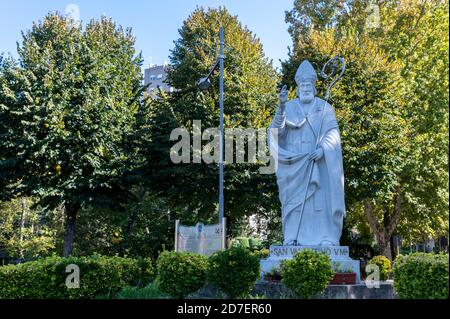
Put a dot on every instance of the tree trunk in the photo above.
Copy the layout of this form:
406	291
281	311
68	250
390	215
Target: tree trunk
374	224
383	232
385	248
393	244
393	221
131	221
71	212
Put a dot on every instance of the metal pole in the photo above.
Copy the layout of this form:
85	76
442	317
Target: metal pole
177	225
221	58
224	233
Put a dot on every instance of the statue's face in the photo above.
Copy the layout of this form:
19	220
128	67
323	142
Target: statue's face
306	91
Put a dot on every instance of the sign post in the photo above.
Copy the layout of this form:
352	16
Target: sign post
200	239
177	223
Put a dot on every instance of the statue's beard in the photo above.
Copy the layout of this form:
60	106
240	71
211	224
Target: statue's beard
306	98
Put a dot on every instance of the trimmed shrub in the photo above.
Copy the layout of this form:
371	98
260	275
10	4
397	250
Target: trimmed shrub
46	278
241	242
248	242
384	265
234	271
255	244
151	291
180	273
308	273
263	253
421	276
148	273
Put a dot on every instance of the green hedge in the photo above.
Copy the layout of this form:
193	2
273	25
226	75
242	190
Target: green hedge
263	253
255	244
46	278
241	242
147	271
180	273
234	271
384	265
308	273
247	242
151	291
421	276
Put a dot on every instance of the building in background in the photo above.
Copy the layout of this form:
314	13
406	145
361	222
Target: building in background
156	75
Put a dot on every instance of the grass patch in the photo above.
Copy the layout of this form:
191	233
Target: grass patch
151	291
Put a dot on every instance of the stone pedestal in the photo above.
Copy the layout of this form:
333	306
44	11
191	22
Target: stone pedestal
277	290
339	256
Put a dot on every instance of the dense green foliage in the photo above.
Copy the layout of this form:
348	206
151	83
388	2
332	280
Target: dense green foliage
65	111
307	274
180	273
46	278
66	114
391	106
151	291
250	85
80	142
255	245
234	271
241	242
421	276
141	227
247	242
419	40
373	128
262	253
384	266
24	232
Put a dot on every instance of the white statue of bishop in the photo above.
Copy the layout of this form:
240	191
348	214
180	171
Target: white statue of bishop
304	135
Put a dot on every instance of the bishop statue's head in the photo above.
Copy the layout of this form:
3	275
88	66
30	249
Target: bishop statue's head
306	78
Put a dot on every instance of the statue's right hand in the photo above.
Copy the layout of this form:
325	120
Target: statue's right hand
283	96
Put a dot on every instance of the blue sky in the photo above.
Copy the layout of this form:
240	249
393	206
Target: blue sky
155	23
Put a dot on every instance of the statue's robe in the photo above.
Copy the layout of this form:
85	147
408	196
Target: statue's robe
293	137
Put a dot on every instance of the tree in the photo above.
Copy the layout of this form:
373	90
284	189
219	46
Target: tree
395	142
414	33
66	112
371	121
142	227
250	100
24	234
417	35
313	15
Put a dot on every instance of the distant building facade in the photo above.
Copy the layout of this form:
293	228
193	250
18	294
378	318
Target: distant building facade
155	76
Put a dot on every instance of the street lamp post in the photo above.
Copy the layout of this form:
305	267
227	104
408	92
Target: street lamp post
204	84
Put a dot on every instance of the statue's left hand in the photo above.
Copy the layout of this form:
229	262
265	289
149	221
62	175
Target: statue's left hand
316	155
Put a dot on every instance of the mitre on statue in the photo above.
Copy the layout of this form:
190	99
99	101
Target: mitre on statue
305	72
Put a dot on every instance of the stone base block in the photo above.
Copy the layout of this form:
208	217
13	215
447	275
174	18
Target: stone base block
339	256
276	290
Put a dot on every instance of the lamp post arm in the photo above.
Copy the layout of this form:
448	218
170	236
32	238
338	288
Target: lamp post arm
213	68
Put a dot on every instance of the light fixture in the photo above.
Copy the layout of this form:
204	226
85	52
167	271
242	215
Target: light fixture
204	83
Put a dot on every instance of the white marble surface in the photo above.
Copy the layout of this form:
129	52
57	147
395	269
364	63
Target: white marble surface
335	252
305	142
